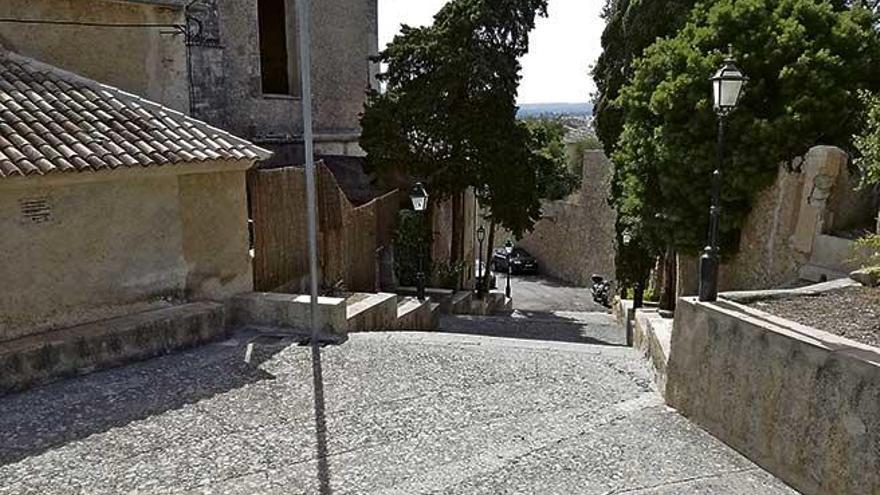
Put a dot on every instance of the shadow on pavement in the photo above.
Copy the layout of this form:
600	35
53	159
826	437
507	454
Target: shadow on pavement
320	422
583	328
46	417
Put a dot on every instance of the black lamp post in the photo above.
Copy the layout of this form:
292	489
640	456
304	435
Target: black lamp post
481	273
727	85
508	248
419	197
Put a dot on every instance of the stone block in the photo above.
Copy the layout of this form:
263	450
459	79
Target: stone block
376	312
869	277
413	314
277	310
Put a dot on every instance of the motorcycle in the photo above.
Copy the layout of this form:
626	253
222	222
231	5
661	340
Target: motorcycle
601	290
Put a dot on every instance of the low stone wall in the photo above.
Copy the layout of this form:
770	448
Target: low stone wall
651	336
104	344
803	404
276	310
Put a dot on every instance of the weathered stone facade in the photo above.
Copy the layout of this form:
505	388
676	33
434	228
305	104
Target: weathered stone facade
147	58
203	59
789	233
227	88
576	237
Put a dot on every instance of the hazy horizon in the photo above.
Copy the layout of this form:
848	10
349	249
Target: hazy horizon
553	71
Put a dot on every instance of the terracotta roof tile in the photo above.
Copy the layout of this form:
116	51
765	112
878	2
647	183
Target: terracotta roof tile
53	121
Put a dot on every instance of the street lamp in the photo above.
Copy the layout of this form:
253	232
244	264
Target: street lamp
727	85
508	248
481	234
419	197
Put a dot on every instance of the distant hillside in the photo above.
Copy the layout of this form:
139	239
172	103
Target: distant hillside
554	109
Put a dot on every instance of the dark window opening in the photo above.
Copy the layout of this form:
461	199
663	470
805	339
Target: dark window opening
274	62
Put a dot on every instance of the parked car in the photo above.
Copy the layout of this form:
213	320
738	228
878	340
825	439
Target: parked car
490	276
520	261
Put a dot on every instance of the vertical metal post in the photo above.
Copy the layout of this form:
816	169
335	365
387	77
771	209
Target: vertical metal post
481	273
305	57
507	291
420	277
710	261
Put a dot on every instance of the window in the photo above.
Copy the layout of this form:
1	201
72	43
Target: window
276	47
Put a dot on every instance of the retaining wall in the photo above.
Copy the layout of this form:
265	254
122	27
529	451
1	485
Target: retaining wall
802	403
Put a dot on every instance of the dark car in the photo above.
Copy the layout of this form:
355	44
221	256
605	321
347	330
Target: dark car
520	261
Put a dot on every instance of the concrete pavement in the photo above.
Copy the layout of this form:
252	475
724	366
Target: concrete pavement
541	293
405	413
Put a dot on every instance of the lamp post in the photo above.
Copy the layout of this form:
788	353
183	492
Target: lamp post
727	86
508	248
419	197
481	273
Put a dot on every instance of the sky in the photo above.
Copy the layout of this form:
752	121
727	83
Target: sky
563	46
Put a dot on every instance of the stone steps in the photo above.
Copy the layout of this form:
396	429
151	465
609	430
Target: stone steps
413	314
85	348
376	312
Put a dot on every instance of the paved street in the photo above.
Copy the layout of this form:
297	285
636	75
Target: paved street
405	413
541	293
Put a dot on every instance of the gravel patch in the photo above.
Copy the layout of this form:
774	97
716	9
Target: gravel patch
853	312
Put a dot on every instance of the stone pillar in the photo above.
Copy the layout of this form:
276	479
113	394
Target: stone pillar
822	164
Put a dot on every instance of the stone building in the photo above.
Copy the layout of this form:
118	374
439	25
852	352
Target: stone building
111	204
231	63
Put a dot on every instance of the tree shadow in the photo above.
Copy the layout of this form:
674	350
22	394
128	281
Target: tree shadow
557	326
52	415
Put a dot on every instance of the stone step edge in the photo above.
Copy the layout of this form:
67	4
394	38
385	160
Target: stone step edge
108	343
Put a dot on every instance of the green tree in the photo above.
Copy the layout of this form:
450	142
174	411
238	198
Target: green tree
807	61
630	27
868	146
448	111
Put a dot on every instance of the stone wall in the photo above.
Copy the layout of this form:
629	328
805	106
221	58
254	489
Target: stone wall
785	237
119	242
217	78
147	61
227	78
803	404
443	224
576	237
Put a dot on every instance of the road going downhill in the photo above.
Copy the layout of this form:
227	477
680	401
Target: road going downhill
463	412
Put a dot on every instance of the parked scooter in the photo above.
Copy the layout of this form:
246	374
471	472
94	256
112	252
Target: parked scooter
601	290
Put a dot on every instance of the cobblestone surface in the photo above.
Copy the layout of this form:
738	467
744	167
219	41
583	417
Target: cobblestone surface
405	413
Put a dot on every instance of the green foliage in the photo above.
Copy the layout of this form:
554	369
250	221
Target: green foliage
448	113
868	142
449	273
554	180
411	241
806	60
630	27
871	244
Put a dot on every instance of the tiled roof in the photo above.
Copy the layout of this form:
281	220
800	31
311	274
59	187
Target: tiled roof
52	121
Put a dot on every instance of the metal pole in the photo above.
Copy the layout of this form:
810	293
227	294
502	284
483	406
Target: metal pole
420	277
480	271
305	57
710	261
509	269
